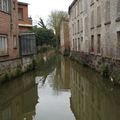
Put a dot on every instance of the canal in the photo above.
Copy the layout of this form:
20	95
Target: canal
59	89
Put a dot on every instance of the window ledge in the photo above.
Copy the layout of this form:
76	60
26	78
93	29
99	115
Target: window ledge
92	53
117	19
5	12
92	27
107	23
4	55
98	25
81	12
14	47
98	54
92	4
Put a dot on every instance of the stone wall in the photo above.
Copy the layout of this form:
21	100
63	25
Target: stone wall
15	67
95	24
107	67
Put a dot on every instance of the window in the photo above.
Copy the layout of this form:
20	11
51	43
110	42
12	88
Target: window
92	2
78	25
4	5
14	41
14	5
79	44
118	41
98	16
98	43
20	14
0	4
92	43
118	8
73	29
118	11
27	43
92	19
73	44
3	44
107	12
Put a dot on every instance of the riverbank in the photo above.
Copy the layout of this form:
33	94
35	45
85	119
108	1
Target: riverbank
14	68
107	67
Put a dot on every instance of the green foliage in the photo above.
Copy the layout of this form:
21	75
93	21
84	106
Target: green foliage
32	66
41	23
117	74
54	21
105	71
18	71
44	36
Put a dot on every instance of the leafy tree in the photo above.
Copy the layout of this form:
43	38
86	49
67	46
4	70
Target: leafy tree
54	22
44	36
41	23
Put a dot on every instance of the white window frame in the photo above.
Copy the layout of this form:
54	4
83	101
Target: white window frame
3	44
4	5
14	41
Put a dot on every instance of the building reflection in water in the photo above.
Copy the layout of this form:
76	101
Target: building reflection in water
62	77
91	97
78	89
18	99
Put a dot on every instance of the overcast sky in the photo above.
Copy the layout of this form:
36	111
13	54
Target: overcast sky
43	8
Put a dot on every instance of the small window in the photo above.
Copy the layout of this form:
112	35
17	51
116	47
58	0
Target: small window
78	25
0	4
107	12
79	44
3	44
14	41
92	19
92	43
73	44
98	43
118	39
118	8
14	5
20	14
98	16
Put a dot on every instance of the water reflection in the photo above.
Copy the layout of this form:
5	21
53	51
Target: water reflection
18	99
91	97
54	94
59	90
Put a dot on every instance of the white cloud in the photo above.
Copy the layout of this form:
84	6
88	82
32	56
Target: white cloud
43	8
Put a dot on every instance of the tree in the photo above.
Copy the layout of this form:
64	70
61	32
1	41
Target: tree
41	23
43	34
54	22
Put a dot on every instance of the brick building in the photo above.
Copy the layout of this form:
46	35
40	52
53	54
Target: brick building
26	38
24	22
9	46
13	42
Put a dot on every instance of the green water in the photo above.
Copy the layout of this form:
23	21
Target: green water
59	89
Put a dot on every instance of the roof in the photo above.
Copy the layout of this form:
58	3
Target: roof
22	3
72	4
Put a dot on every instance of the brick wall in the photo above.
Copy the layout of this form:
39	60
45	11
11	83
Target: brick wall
25	24
9	27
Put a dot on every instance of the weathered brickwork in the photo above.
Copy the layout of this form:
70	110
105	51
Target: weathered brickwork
9	28
24	22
